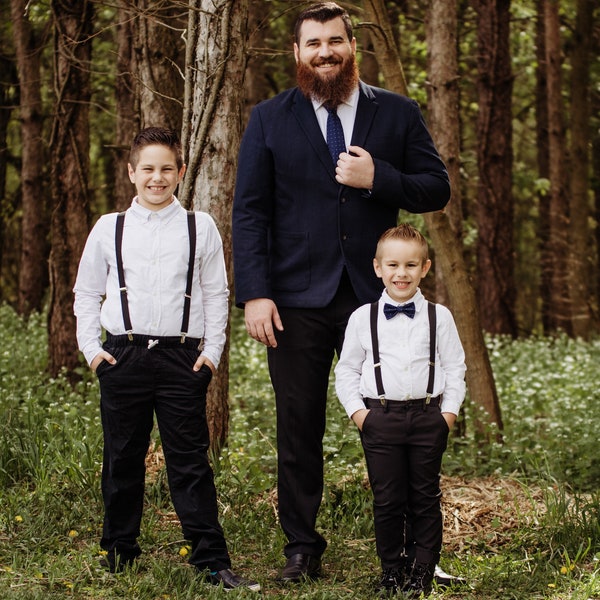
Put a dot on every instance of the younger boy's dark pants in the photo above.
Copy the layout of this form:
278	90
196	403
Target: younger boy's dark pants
403	450
143	382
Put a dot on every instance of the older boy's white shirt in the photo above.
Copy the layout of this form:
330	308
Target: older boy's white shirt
404	357
155	260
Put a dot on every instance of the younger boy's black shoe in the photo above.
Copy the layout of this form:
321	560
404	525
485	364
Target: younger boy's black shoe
230	581
420	580
445	580
392	581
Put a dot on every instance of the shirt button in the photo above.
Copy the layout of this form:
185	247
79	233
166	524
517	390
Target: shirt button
342	200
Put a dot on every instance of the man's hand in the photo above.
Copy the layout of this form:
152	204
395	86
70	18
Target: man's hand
102	355
359	417
261	316
355	168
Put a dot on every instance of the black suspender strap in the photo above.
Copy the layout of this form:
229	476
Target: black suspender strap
431	312
376	362
121	274
191	221
432	331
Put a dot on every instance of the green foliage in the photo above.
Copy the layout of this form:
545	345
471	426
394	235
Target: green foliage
50	460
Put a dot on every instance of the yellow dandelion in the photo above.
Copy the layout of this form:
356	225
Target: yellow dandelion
69	585
103	553
73	533
19	519
551	585
183	551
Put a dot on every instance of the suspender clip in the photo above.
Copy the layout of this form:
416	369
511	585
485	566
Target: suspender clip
183	334
384	403
130	335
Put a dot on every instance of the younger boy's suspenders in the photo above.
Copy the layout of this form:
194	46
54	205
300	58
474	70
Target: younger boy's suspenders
377	364
191	224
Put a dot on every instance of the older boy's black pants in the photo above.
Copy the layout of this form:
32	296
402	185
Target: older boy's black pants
403	449
161	381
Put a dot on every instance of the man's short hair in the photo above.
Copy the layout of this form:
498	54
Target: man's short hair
156	135
323	12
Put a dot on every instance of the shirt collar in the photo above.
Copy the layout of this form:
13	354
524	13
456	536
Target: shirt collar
145	214
418	299
351	101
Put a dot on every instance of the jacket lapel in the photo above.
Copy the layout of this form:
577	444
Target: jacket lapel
365	113
305	114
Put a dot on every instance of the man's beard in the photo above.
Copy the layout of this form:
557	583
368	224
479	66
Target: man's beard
330	90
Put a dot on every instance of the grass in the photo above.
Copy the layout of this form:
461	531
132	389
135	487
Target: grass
523	518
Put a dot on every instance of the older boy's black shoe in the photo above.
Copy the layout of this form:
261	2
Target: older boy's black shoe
420	580
299	567
392	581
231	581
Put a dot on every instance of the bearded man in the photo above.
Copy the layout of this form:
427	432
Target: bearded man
323	170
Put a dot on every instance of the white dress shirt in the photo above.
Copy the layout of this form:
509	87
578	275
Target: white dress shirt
346	112
404	357
155	262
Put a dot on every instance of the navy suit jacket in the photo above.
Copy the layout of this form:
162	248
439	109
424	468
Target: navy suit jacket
295	228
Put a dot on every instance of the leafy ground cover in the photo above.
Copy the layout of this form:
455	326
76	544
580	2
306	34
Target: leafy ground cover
522	519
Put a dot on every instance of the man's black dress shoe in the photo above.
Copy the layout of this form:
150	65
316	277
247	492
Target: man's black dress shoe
299	567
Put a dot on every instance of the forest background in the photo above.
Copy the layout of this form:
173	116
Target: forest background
511	92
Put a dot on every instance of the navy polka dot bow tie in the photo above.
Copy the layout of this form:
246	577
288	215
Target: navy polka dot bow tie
389	310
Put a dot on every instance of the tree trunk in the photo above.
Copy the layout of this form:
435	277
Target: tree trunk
127	105
443	102
211	135
580	235
159	56
8	257
558	245
543	162
494	208
33	271
70	171
449	254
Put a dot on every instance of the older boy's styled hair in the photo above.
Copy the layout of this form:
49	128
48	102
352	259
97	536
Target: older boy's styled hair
406	232
156	135
323	12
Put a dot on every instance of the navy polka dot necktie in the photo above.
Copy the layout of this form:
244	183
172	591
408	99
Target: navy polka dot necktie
335	134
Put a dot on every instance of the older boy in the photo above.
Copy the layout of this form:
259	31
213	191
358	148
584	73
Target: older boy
403	389
162	273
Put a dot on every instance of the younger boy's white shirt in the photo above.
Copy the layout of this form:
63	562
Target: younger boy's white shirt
155	261
404	357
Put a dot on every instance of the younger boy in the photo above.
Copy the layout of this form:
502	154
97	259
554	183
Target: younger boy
162	273
404	407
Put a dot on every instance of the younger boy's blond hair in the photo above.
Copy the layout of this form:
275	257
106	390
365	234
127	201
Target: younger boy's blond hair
403	231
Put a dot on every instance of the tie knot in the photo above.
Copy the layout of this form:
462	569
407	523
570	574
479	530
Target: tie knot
391	310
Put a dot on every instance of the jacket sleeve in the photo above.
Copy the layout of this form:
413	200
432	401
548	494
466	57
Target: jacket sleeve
420	183
252	210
